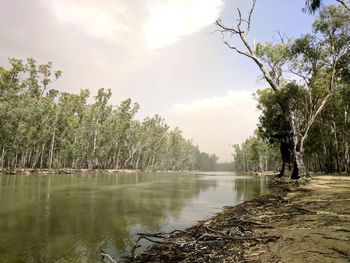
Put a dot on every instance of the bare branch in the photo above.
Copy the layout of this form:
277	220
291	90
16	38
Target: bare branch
237	50
250	15
225	28
274	83
306	79
281	37
239	19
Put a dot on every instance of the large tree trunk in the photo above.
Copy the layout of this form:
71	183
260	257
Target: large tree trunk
287	160
287	142
299	169
292	149
346	157
336	146
138	160
3	158
42	156
53	141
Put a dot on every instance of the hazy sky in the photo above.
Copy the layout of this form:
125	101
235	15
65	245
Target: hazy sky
161	53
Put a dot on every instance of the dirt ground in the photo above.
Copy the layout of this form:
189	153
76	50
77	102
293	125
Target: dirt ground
295	223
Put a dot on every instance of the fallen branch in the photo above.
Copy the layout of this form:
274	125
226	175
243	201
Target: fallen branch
303	210
248	222
343	229
237	238
105	255
163	235
347	255
150	237
319	252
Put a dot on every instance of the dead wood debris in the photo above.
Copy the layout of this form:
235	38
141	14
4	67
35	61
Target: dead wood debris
245	232
225	238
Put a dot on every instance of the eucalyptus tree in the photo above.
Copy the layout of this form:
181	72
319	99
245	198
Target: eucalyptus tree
255	155
24	89
124	115
314	59
43	128
312	5
205	161
327	147
71	125
154	143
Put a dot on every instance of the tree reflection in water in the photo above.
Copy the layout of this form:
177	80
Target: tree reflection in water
71	217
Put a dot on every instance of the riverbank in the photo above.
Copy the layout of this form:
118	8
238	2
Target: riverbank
69	171
291	224
87	171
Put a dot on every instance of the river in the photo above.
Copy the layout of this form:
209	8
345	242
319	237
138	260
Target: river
71	218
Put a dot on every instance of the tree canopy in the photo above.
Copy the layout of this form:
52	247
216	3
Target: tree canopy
42	127
306	76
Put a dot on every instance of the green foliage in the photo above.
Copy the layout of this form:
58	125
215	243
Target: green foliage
274	55
312	5
44	128
271	122
256	155
327	147
304	111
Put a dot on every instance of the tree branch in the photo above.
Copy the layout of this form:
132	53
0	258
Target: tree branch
251	52
342	2
250	15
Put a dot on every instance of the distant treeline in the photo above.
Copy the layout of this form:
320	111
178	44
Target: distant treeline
44	128
225	167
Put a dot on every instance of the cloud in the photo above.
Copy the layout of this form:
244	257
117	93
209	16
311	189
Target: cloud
218	122
96	20
157	22
158	52
169	20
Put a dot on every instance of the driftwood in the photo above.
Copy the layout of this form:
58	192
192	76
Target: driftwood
108	257
199	238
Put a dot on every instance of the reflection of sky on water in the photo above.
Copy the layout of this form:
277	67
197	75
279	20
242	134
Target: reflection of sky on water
229	189
70	217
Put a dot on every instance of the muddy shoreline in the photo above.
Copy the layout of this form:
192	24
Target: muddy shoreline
294	222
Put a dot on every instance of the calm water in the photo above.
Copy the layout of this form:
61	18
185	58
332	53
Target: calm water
69	218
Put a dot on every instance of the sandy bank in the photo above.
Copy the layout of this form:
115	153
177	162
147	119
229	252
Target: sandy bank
308	223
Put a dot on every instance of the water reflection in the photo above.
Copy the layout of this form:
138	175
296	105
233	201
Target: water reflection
68	218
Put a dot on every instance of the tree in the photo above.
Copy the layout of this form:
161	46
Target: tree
43	128
312	5
271	68
255	155
314	59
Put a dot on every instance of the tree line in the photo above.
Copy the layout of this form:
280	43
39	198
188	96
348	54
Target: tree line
44	128
305	109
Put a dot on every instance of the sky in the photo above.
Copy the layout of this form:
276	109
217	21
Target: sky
163	54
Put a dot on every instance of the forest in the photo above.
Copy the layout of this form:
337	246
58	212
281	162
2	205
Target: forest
303	126
304	116
42	127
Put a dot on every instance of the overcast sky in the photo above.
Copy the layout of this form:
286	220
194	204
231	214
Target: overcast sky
162	54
